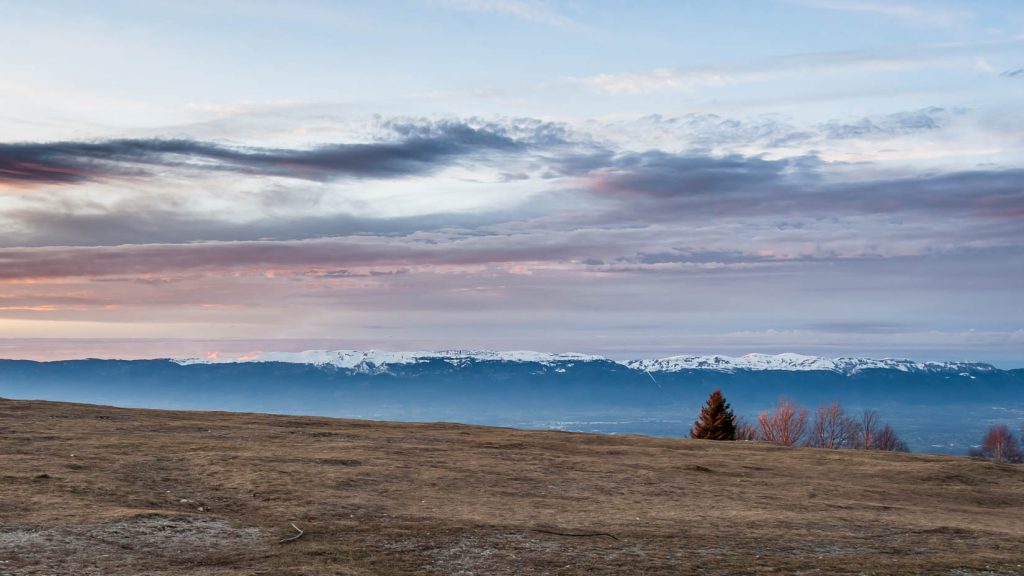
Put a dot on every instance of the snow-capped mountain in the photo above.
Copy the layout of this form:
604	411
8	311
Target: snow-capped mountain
376	360
797	362
380	358
942	403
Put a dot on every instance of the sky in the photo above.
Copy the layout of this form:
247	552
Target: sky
632	179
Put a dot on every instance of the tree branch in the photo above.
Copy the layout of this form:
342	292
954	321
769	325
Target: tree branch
293	538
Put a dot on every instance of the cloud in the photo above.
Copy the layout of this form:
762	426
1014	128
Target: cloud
714	133
1015	73
656	235
787	306
857	327
657	185
803	65
688	80
335	253
928	15
661	175
158	225
658	80
590	185
709	131
423	148
605	212
890	125
537	11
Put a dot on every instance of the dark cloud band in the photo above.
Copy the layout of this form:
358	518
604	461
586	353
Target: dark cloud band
420	149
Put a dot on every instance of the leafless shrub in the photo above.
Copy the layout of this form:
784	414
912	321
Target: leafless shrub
786	425
887	439
832	428
746	430
999	445
866	431
870	434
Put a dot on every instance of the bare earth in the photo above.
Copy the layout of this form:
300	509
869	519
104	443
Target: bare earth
93	490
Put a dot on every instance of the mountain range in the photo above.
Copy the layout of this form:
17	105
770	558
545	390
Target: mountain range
376	360
937	406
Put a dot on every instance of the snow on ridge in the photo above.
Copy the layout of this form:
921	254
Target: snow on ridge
794	362
373	360
359	358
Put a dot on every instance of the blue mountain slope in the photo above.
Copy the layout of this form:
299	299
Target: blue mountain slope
937	409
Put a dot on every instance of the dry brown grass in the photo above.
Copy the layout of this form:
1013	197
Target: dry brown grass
95	490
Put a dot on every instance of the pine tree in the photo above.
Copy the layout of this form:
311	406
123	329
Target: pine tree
717	422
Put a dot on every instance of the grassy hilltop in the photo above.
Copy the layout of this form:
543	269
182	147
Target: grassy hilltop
96	490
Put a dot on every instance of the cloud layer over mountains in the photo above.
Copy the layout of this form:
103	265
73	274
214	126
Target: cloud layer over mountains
622	185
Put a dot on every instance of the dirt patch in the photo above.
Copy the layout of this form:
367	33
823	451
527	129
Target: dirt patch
153	544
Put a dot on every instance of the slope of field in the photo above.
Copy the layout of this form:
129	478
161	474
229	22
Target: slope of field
94	490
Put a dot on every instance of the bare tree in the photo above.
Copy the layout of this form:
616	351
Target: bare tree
866	431
887	439
999	445
746	430
832	428
786	425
